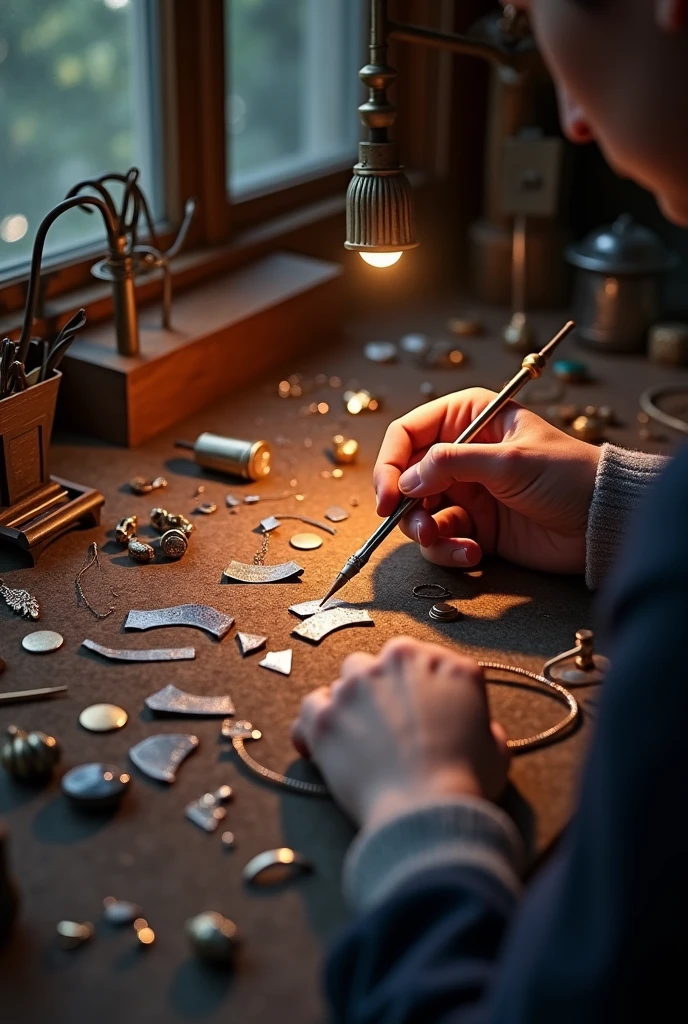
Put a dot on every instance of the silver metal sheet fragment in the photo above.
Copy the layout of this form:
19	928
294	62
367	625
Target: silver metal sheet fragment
153	654
240	572
159	757
249	642
277	661
172	701
306	608
198	616
317	627
336	514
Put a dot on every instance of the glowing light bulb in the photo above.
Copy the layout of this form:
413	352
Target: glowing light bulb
381	259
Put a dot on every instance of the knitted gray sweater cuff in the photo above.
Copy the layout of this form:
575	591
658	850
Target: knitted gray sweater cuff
457	831
623	478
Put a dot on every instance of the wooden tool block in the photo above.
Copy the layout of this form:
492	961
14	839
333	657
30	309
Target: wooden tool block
224	334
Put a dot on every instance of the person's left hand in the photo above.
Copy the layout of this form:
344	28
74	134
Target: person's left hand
402	729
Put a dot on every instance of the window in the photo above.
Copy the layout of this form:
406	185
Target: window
75	90
292	89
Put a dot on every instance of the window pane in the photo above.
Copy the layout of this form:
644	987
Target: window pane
292	87
75	86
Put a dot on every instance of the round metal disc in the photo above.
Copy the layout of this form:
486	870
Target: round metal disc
95	785
305	541
42	641
103	717
444	612
380	351
569	674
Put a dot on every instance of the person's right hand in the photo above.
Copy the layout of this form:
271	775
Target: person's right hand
522	490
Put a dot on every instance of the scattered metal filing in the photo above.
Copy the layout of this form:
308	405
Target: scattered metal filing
208	811
431	592
145	936
380	351
360	401
159	654
206	508
95	786
43	641
213	938
444	613
174	544
140	485
444	355
228	840
275	867
20	696
587	667
140	552
159	757
92	559
588	428
345	450
232	502
199	491
20	601
72	934
414	344
468	326
317	627
278	661
162	521
306	541
307	608
103	718
171	701
354	502
573	371
272	522
336	514
126	529
120	912
29	756
240	572
249	642
196	616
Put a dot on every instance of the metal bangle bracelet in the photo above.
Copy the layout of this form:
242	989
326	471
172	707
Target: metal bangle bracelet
650	408
539	739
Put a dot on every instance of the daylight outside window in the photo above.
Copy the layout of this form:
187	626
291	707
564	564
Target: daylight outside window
76	85
292	88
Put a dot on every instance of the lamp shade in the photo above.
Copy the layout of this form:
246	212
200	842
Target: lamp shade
379	211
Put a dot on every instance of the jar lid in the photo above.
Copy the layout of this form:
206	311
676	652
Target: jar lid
623	247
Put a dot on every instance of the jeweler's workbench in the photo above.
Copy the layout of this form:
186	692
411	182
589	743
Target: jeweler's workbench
67	862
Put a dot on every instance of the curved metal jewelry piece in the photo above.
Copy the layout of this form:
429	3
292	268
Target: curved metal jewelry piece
162	521
140	485
648	404
258	871
172	701
160	654
438	592
540	739
317	627
589	667
274	521
160	756
198	616
238	733
240	572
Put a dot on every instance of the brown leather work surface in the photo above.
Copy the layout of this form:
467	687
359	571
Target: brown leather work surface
66	863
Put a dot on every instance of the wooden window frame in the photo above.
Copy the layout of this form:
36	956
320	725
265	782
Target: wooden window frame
190	41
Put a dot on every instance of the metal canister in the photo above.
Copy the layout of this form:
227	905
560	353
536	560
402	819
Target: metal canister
617	291
248	459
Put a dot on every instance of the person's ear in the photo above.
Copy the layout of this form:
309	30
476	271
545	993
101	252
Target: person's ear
672	15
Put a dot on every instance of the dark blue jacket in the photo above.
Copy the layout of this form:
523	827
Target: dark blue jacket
601	933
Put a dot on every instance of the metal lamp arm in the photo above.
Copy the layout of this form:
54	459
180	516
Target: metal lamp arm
37	259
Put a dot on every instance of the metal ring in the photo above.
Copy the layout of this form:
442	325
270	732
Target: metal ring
440	593
648	406
544	737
